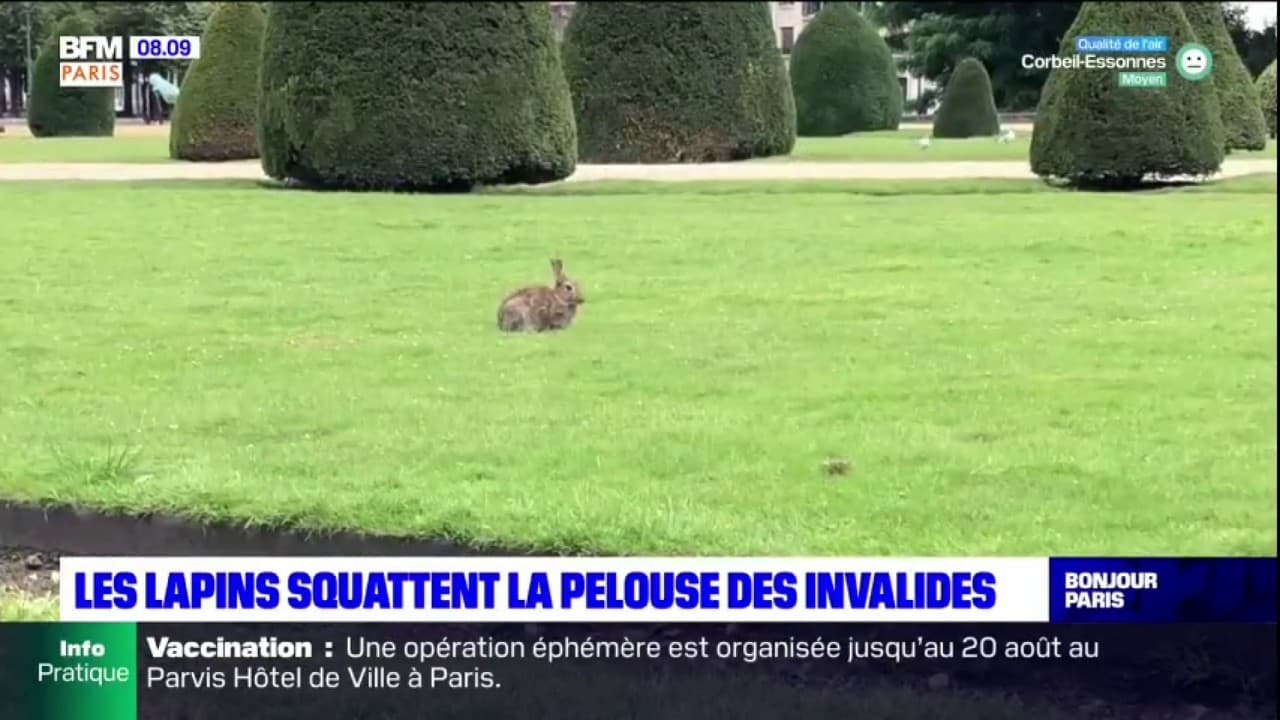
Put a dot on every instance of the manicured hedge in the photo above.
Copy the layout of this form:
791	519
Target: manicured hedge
844	76
1267	96
56	111
1242	118
216	114
413	96
968	106
657	82
1089	130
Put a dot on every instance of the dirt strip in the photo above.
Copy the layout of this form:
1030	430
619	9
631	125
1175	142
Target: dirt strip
74	531
29	572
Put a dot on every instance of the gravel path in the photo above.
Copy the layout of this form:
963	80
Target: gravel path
251	170
133	127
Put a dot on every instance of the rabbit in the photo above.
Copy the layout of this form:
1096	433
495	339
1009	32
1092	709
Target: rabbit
540	309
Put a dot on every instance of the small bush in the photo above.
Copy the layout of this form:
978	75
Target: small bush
968	105
844	76
56	111
216	114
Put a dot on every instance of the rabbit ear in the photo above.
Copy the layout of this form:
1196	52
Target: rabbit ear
557	267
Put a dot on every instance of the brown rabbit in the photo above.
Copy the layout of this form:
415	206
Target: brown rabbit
539	309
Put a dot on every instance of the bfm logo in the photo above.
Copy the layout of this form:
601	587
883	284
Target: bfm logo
106	71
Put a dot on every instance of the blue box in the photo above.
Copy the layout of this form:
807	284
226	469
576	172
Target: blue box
1179	590
1121	44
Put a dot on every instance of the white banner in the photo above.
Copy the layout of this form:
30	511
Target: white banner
553	589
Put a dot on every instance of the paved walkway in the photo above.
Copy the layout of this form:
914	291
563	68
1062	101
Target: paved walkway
1020	126
775	170
784	170
135	126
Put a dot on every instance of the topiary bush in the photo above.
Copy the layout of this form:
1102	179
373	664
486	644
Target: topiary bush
55	111
413	96
844	76
1266	87
657	82
1091	131
1242	119
968	106
215	117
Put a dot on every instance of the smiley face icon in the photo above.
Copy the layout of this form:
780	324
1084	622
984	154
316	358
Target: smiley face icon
1194	62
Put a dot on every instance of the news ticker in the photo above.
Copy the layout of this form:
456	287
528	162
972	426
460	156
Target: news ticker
629	590
123	671
98	60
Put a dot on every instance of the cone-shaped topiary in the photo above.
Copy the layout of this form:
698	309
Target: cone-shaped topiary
1089	130
1242	118
56	111
656	82
1266	86
413	96
968	106
216	114
844	76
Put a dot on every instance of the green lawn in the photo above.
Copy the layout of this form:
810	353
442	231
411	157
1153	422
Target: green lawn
889	146
125	149
1010	372
902	146
17	607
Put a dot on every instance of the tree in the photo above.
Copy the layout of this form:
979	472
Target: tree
1267	95
1257	48
936	36
968	108
413	96
843	76
1262	49
58	111
1091	131
129	19
13	34
216	114
110	18
14	20
1237	97
677	82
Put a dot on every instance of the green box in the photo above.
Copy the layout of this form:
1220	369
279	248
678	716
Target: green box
1144	79
68	671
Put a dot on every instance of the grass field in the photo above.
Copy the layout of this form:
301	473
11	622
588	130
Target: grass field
889	146
16	607
127	149
901	146
1013	371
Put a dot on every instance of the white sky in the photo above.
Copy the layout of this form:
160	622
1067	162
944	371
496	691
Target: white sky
1258	13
